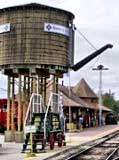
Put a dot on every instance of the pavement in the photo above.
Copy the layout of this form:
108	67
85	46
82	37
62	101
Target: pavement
12	151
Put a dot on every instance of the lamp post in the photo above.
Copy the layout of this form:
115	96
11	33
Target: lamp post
100	68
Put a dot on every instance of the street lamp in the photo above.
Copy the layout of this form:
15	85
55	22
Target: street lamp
100	68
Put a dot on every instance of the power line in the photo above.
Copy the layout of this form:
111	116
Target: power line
89	44
86	39
90	67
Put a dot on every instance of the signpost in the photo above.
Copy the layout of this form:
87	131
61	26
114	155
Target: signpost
31	129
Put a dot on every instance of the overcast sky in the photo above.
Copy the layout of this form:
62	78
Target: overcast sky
98	21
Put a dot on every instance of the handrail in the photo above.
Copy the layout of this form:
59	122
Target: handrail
31	108
45	118
28	110
50	104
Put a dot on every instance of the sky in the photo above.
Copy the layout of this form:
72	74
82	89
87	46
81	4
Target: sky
98	21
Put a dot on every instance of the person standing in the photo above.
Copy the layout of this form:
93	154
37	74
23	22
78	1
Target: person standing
81	122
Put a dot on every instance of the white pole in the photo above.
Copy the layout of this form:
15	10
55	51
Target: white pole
100	68
100	97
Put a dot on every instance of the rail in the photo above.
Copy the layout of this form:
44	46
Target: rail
75	152
35	106
54	105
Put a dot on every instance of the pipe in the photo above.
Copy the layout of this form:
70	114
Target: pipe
81	63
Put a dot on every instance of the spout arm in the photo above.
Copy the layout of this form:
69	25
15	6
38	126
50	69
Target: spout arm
83	62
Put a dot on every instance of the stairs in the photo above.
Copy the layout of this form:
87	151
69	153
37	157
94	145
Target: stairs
40	124
37	136
34	117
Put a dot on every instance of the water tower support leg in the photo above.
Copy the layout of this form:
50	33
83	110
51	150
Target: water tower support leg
9	136
13	106
19	133
24	98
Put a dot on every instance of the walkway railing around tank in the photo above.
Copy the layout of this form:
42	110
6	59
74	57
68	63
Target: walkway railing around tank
35	106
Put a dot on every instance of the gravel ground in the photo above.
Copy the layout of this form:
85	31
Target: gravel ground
12	151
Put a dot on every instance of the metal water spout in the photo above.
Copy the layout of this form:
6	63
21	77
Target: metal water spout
83	62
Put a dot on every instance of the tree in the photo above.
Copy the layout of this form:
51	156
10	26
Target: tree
109	101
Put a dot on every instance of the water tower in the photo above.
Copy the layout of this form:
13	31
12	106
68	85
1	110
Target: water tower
36	41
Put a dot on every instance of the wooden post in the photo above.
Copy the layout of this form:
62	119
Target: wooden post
13	105
34	84
31	88
56	83
41	85
19	105
8	104
24	98
37	84
28	91
43	90
55	90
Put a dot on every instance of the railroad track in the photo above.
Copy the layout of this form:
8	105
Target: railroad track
105	148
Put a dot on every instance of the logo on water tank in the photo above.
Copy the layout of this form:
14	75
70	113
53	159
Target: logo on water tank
55	28
49	27
5	28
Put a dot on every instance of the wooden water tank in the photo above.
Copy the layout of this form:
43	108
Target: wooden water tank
37	35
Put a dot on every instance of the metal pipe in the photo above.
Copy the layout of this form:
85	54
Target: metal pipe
80	64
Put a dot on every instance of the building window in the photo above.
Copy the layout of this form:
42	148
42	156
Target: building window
94	100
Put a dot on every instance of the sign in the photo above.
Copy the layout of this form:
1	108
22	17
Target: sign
30	129
55	28
5	28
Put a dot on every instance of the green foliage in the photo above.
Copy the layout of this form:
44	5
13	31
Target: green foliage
109	101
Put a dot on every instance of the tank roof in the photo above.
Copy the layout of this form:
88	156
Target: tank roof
37	5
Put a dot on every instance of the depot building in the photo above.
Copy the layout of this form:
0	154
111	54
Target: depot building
80	100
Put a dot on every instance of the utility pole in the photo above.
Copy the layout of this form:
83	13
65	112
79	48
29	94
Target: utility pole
100	68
